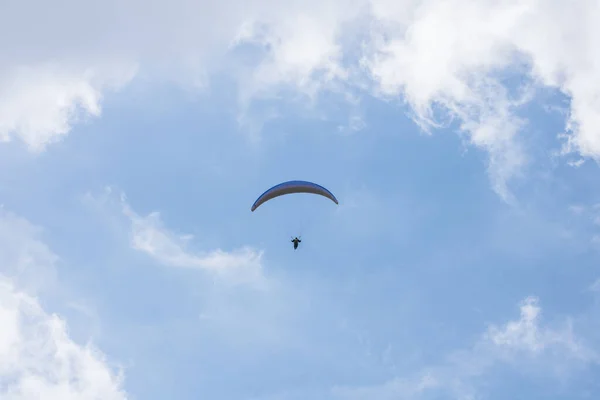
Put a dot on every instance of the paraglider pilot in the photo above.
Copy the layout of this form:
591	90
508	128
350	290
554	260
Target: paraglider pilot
296	241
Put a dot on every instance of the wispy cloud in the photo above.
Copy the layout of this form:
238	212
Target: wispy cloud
147	234
588	218
525	344
25	258
527	336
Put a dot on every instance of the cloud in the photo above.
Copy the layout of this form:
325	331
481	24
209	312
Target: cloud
25	258
39	104
436	62
588	219
526	344
149	236
527	336
478	72
595	287
38	359
465	69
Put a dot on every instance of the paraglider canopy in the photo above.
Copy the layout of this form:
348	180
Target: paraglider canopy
293	187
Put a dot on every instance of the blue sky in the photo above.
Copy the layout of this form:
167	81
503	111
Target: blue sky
461	262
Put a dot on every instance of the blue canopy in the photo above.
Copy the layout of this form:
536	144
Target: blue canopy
293	187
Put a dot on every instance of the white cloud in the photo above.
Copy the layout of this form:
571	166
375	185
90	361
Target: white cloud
448	55
148	235
527	335
576	164
452	56
38	104
38	359
526	344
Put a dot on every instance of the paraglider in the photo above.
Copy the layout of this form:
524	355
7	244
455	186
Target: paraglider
296	241
289	188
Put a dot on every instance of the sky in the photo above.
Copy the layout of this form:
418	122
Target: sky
459	137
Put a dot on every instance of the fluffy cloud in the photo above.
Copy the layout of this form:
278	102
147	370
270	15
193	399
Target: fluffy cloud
522	343
39	103
445	58
525	334
38	359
